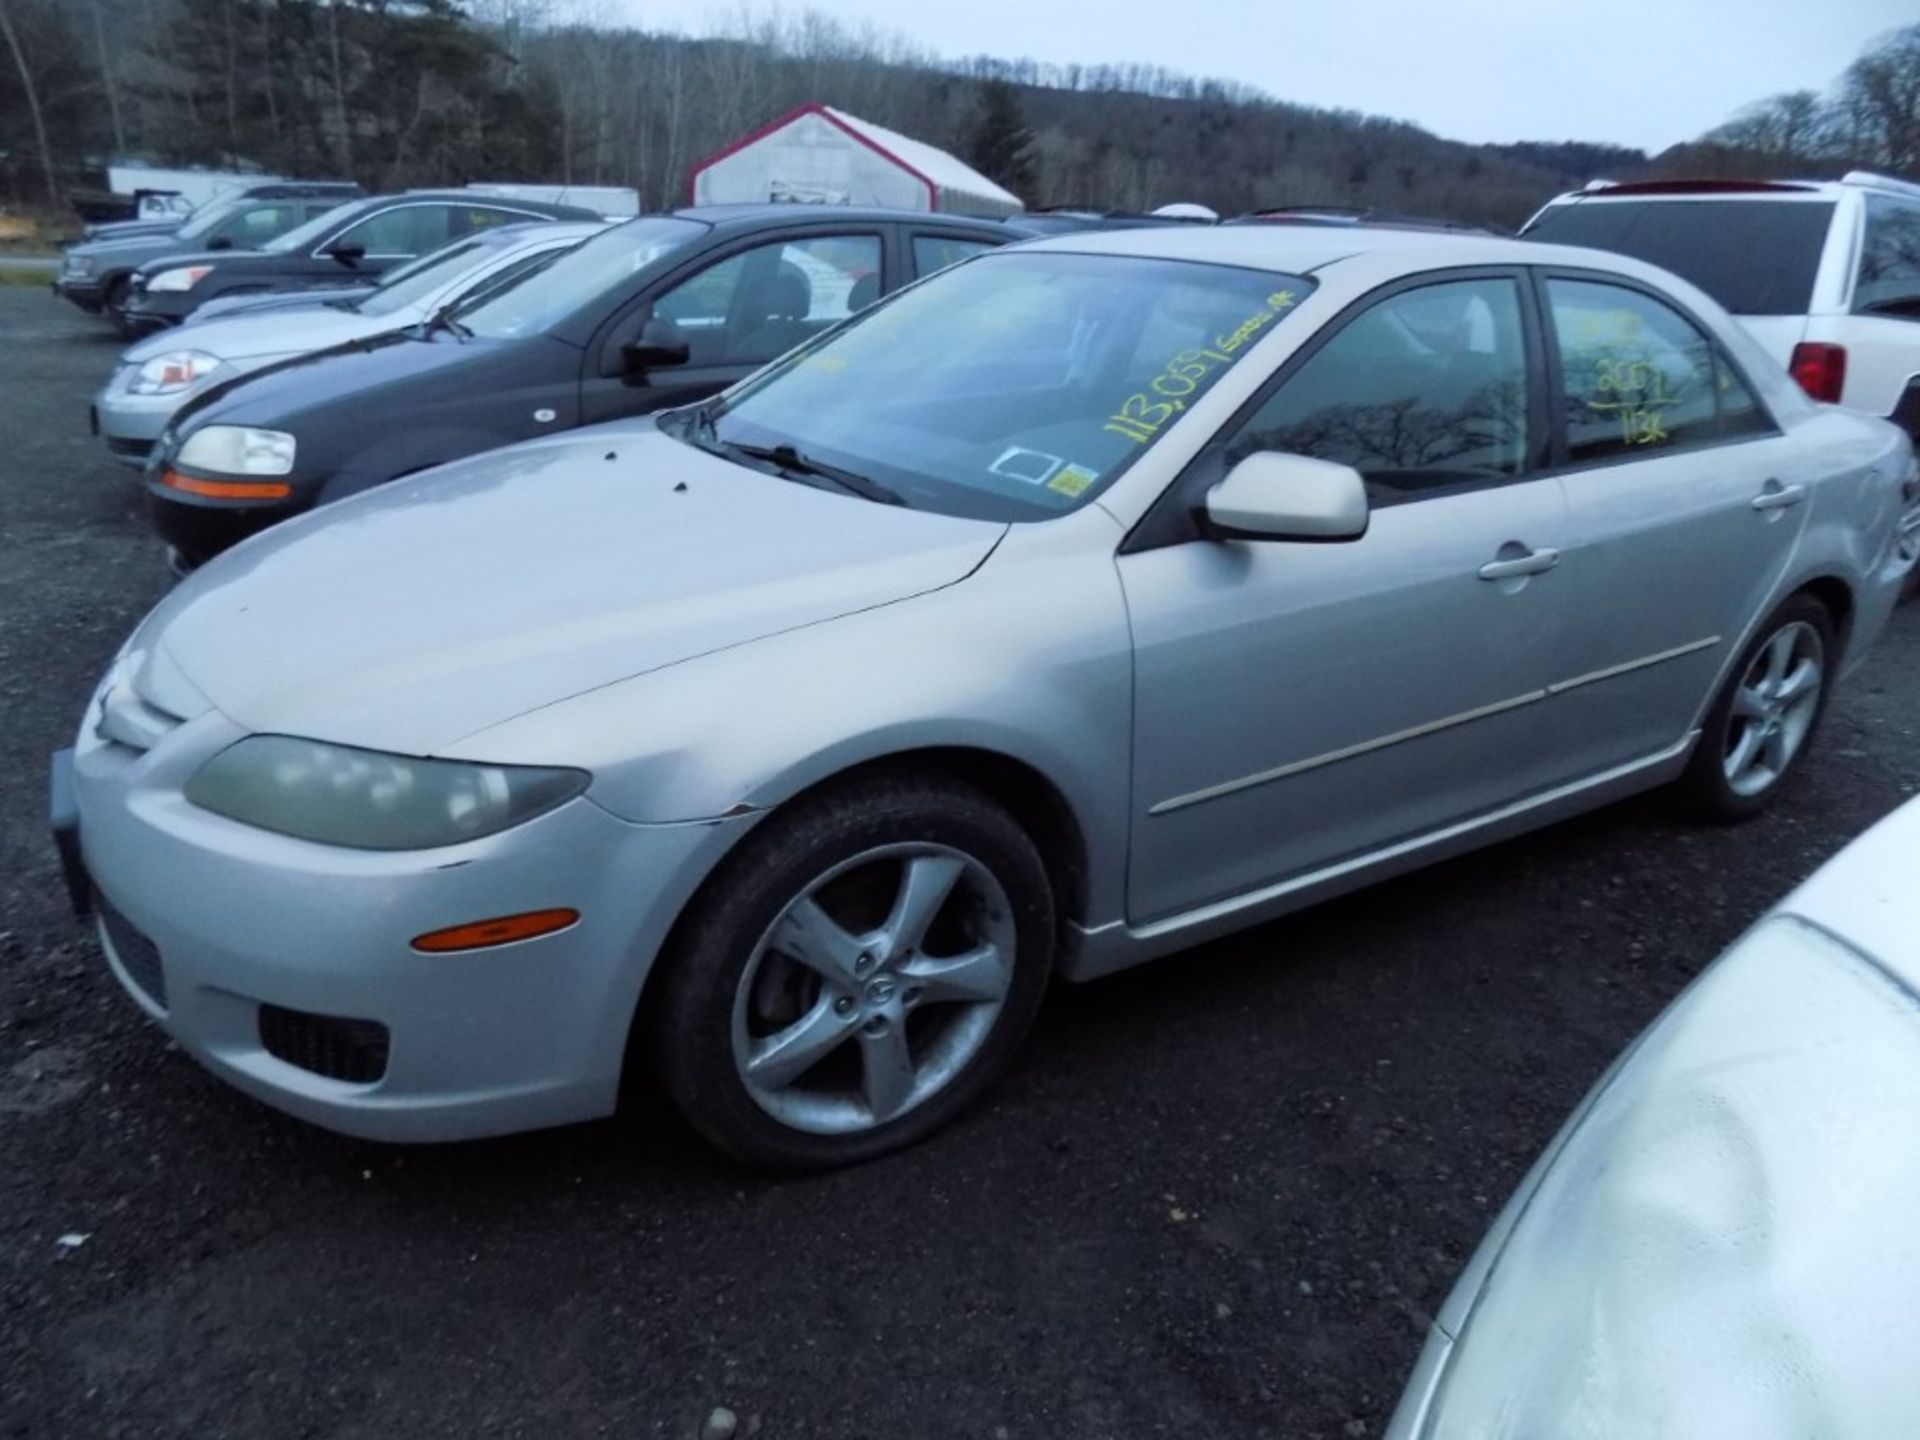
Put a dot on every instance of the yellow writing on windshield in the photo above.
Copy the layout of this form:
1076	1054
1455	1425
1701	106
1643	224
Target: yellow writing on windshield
1144	413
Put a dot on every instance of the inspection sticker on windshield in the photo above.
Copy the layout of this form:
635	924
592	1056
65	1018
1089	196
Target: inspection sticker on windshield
1033	467
1073	480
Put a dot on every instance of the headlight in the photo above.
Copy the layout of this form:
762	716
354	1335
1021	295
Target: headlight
1723	1245
185	278
238	450
339	795
79	265
176	370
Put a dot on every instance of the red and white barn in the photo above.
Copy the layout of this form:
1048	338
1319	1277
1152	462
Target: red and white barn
824	156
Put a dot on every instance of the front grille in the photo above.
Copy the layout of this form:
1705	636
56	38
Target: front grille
138	955
134	449
329	1045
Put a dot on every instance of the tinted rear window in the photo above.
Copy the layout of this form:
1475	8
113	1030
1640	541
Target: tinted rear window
1755	258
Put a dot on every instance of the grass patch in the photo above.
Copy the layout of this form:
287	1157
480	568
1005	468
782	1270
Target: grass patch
24	275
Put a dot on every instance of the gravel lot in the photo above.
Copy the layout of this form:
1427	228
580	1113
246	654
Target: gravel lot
1221	1195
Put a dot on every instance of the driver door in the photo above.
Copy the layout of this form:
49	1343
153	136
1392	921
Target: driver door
1298	704
735	313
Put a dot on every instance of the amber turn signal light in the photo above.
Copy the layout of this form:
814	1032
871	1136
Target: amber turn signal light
504	930
226	489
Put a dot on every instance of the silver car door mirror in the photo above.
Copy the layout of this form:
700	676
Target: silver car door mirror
1274	496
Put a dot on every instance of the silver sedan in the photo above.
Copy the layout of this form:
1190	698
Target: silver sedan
1085	601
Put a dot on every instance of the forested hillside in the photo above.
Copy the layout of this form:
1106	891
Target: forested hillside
415	92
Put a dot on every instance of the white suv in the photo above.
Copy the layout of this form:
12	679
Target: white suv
1825	273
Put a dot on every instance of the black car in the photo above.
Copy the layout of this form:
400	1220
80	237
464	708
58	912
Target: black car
97	274
658	312
350	244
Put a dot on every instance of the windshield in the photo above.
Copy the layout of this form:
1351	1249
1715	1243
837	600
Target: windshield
420	278
301	236
206	217
1013	386
1756	257
577	277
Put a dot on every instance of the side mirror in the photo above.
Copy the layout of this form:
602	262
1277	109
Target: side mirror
220	242
1275	496
352	253
660	343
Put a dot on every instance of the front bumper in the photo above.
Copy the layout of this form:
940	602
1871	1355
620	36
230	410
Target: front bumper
147	312
200	528
219	931
129	423
81	290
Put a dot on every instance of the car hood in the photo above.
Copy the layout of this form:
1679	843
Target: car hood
131	248
415	615
294	329
255	302
278	394
1720	1240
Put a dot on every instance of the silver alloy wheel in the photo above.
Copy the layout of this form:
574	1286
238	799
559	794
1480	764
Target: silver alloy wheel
873	988
1774	708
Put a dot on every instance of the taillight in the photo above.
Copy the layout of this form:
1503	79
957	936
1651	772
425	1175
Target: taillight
1820	369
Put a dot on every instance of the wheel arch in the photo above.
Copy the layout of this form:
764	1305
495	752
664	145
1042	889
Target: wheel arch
1837	596
1034	800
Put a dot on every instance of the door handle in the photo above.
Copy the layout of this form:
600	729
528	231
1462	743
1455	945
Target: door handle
1532	563
1778	497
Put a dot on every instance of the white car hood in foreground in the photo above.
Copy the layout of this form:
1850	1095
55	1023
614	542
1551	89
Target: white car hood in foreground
417	614
1725	1242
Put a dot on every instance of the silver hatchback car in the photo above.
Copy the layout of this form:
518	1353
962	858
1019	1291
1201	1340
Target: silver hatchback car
1079	603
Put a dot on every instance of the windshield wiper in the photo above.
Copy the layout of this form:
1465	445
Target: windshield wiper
442	319
789	460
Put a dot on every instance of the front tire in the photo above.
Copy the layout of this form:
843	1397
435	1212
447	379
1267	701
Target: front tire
857	974
114	302
1765	716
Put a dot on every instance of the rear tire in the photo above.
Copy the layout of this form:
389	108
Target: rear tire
927	922
1766	714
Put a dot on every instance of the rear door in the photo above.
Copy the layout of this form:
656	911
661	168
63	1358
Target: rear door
1684	502
736	309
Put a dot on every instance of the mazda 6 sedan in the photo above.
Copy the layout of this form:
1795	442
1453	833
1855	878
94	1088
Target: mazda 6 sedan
1078	603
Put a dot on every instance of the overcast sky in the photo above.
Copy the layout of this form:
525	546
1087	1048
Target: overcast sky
1625	71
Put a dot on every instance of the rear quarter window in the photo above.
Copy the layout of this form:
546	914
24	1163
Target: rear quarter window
1756	257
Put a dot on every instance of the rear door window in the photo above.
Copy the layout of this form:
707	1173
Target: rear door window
1889	280
1640	378
1756	257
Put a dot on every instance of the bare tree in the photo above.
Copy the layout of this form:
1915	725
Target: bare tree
108	80
1881	98
32	92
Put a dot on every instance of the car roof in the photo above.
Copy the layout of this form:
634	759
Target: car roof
772	213
1715	188
1301	249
